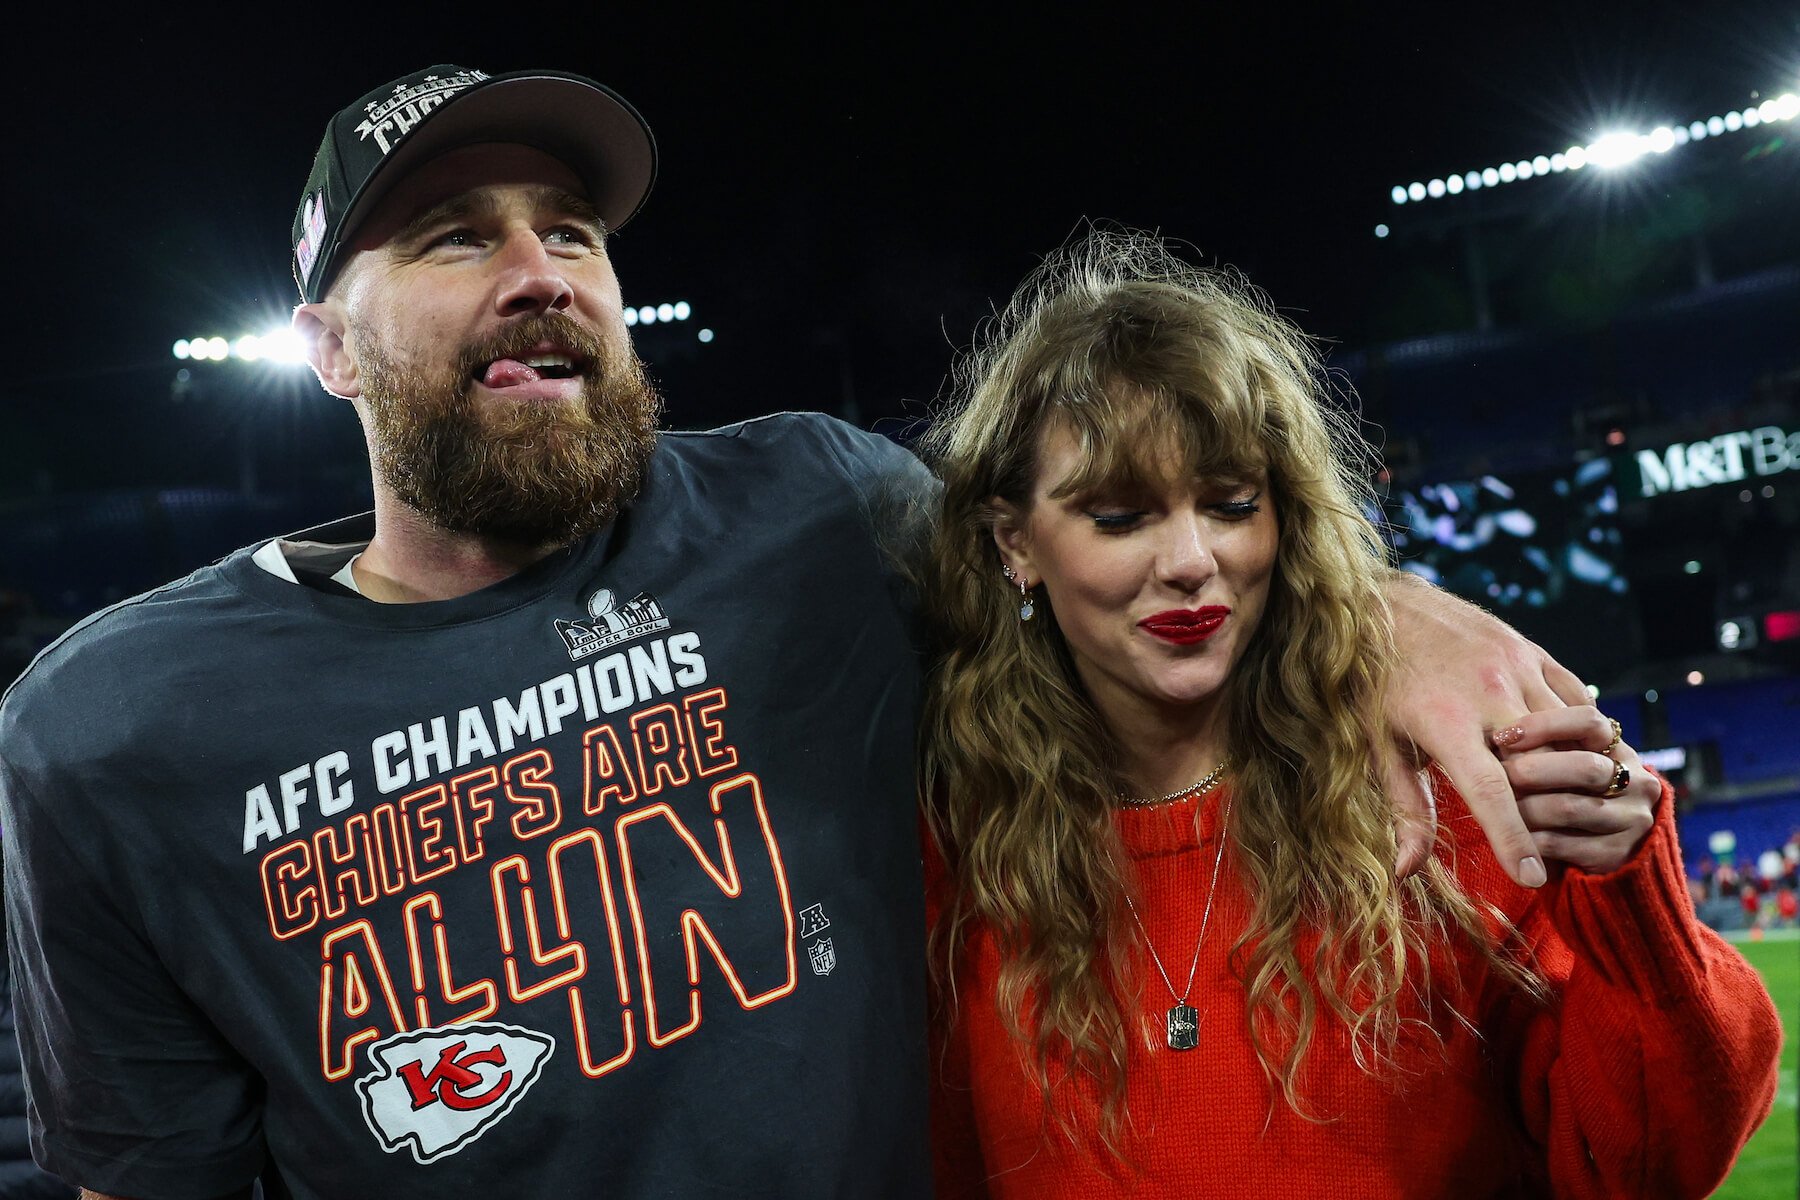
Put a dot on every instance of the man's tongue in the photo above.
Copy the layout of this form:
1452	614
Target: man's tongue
506	372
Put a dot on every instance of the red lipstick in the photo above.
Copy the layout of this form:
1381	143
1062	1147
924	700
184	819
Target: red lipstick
1185	626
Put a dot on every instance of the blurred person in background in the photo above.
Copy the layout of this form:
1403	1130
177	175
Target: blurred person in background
1173	956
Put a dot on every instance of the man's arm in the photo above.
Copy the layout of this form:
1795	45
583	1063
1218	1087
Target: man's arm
1460	675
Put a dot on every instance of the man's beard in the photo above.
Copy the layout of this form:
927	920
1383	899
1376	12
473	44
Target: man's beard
532	473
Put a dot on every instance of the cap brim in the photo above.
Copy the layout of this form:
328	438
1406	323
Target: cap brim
587	127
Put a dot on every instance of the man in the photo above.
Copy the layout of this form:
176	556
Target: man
552	831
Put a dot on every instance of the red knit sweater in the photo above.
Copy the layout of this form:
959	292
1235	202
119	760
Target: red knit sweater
1644	1077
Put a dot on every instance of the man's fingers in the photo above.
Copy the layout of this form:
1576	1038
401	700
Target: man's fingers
1541	697
1478	775
1415	814
1565	683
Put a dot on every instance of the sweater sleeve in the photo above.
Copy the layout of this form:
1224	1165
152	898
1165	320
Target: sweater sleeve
1656	1056
956	1158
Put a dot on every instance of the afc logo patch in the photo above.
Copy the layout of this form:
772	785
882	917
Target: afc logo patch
436	1090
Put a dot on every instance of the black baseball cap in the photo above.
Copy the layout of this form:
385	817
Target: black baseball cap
402	125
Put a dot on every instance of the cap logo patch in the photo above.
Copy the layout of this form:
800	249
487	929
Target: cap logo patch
392	119
306	251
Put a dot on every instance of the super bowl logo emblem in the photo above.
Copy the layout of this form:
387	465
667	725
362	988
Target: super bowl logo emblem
609	623
433	1091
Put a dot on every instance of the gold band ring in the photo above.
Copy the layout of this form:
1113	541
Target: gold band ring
1617	737
1620	781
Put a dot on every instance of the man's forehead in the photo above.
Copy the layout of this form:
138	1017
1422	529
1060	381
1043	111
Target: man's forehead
468	173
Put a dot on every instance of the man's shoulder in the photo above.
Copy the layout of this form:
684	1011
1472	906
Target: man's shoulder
121	648
793	448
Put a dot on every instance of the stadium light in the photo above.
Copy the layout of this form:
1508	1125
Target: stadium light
281	346
1610	151
651	314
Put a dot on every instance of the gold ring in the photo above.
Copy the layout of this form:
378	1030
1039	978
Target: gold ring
1618	736
1620	781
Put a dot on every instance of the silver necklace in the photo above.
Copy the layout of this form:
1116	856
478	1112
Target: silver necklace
1199	787
1183	1022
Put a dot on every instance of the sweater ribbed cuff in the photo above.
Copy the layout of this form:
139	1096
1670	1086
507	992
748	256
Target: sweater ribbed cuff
1637	923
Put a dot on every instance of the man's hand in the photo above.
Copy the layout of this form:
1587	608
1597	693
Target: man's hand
1460	675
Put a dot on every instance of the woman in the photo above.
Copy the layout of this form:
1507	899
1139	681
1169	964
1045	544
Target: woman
1173	956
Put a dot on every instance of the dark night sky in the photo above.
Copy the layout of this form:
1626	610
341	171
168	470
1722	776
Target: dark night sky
837	192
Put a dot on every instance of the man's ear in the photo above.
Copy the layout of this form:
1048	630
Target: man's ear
322	326
1012	537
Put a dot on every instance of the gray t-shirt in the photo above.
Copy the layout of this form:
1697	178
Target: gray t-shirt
603	880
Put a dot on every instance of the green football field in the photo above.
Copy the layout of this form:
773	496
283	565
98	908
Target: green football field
1769	1167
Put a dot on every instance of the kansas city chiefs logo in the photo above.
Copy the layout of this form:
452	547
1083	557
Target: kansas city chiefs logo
434	1091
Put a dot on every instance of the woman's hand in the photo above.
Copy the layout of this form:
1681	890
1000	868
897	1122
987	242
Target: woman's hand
1460	675
1562	764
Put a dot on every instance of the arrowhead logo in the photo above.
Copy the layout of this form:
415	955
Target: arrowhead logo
436	1090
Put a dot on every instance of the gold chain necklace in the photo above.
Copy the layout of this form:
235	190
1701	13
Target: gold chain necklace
1199	787
1182	1020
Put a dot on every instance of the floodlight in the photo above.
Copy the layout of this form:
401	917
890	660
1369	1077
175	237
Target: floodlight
1508	173
1415	191
706	335
1576	156
682	310
283	345
1715	126
1399	194
1435	189
631	316
1541	164
1473	180
1752	118
217	348
1524	168
1381	231
665	312
248	348
1490	177
1617	149
1661	140
181	348
1734	121
1697	130
1787	106
646	315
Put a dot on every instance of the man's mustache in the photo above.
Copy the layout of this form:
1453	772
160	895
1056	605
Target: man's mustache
529	333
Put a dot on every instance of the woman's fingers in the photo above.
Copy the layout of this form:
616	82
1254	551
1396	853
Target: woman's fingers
1582	725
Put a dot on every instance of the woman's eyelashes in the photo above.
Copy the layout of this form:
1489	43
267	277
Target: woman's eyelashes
1110	518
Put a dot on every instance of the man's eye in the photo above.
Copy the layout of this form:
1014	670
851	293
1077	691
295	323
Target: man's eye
454	237
570	235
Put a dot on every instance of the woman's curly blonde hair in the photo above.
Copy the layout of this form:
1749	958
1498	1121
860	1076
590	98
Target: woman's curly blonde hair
1146	360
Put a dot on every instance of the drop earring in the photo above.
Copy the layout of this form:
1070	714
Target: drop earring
1027	609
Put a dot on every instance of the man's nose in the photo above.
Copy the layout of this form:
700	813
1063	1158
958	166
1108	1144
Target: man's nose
531	279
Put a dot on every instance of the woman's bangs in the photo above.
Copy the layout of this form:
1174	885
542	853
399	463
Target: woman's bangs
1148	441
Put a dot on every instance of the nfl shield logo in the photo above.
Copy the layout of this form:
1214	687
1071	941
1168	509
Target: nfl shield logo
823	956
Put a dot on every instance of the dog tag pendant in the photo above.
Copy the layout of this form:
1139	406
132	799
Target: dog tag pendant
1184	1028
